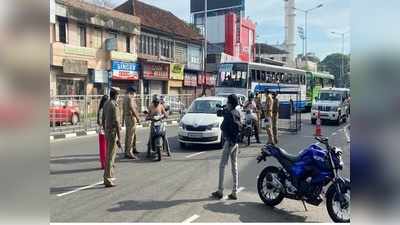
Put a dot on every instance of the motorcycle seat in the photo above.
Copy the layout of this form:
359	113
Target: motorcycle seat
288	156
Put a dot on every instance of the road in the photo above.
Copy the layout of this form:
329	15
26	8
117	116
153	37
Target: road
176	189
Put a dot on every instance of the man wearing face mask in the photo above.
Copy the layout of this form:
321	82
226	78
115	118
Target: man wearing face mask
230	128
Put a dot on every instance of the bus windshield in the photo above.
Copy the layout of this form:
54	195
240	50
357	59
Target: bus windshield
232	75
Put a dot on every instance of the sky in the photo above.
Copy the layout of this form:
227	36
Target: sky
269	15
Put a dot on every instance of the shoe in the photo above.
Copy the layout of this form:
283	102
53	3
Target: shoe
217	195
135	152
109	184
130	157
233	196
258	142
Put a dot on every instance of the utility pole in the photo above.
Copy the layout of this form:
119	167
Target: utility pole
305	24
205	47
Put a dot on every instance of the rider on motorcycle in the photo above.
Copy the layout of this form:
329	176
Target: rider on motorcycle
251	105
156	108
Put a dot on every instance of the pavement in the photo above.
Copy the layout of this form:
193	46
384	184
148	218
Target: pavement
177	189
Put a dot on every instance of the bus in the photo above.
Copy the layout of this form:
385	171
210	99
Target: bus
314	83
240	78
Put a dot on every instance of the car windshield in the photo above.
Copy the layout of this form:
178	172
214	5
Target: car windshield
330	96
204	106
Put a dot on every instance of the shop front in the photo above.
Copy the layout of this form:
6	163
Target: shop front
124	74
155	78
176	82
71	78
206	82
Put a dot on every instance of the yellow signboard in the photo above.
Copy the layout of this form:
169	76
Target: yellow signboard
177	71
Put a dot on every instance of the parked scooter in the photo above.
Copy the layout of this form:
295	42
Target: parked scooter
303	177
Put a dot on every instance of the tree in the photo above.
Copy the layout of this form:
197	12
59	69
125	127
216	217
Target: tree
333	64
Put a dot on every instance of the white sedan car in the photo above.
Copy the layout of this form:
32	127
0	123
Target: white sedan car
200	124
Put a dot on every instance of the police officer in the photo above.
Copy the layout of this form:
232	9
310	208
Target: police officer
130	117
252	106
231	129
113	136
275	116
268	116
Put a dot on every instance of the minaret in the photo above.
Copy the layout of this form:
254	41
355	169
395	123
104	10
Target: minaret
290	41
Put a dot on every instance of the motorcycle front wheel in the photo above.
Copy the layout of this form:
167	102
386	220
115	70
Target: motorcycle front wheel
268	190
339	208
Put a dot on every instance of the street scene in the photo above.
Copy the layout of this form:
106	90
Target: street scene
188	113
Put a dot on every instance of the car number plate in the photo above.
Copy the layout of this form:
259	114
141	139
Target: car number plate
195	135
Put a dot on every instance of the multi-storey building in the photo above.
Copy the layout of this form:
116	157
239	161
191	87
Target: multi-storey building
169	50
90	46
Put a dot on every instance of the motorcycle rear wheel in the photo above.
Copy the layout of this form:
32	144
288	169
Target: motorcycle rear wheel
271	196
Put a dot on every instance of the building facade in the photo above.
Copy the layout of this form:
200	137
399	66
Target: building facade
91	46
170	51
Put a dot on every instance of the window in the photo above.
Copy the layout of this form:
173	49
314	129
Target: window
82	35
258	76
97	38
62	29
283	59
128	43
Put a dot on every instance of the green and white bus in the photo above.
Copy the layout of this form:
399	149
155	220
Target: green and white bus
314	82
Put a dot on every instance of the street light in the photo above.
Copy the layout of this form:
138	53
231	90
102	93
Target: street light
342	64
305	23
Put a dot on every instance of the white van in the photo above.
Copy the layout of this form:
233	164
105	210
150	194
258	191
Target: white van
333	104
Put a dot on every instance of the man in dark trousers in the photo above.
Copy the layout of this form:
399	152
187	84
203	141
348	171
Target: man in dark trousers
112	131
230	128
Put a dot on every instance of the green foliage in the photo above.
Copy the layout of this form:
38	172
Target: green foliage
333	64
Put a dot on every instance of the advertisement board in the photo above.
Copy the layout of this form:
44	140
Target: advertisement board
177	71
125	70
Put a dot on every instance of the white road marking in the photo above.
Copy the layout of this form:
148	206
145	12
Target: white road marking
92	132
191	219
80	189
195	154
238	191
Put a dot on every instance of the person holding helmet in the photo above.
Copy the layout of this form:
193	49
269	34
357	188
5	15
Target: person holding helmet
231	130
251	105
130	117
156	108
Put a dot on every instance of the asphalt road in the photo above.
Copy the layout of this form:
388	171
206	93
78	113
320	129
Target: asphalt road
176	189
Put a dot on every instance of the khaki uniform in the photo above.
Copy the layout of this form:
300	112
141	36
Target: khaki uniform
268	116
111	124
275	117
129	116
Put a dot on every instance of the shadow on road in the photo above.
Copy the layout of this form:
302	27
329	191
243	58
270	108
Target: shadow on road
74	171
132	205
251	212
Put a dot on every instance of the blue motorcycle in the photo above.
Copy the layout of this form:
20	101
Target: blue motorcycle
303	177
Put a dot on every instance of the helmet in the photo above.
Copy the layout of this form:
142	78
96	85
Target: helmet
131	89
251	95
156	99
233	100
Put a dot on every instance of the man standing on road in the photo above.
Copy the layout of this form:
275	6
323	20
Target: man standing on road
130	117
112	131
268	116
230	128
275	116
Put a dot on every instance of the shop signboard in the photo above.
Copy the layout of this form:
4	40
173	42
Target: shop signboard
125	70
190	80
209	79
177	71
156	71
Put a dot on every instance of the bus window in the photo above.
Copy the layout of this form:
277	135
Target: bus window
269	77
263	76
253	75
258	76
